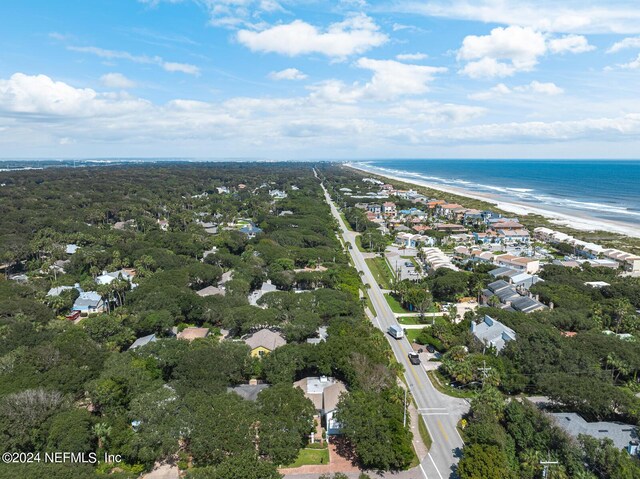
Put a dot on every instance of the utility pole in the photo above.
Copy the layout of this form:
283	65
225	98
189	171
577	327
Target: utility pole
546	464
404	418
485	371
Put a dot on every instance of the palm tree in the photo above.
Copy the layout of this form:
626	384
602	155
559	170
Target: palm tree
102	431
530	462
105	291
57	303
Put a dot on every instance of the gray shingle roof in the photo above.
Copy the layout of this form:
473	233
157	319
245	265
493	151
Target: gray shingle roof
493	332
621	434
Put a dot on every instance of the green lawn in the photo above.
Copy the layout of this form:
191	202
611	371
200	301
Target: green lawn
380	270
311	457
424	432
368	300
441	384
395	305
408	320
412	334
346	223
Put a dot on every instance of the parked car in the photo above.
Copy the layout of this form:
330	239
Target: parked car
431	349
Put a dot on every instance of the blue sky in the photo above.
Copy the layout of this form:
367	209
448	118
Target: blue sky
315	79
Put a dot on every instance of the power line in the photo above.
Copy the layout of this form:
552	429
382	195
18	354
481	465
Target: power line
546	465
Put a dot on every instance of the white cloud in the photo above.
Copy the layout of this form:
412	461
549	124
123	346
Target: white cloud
411	56
81	120
517	47
231	13
288	74
354	35
181	67
487	68
499	90
502	90
538	131
40	95
570	44
390	79
632	65
117	80
630	42
545	88
143	59
568	16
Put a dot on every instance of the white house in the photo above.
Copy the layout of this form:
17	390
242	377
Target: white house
492	333
108	278
324	392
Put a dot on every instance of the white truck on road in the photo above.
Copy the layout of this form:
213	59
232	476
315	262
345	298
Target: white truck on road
396	331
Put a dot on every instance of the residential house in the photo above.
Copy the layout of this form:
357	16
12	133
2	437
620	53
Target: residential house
436	259
624	436
528	265
108	278
122	225
473	217
511	297
421	228
409	240
58	290
209	227
163	224
389	209
264	341
488	237
211	291
59	266
628	261
191	333
516	277
321	337
251	230
267	287
372	181
206	253
375	209
143	341
492	332
324	392
277	194
89	302
450	228
450	210
71	248
249	392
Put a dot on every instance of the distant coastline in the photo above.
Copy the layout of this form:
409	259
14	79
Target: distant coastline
576	220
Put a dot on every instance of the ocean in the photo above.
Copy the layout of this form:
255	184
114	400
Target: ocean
600	189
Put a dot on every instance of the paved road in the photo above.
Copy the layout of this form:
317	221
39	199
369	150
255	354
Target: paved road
440	412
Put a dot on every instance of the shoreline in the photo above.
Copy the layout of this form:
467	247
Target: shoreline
577	221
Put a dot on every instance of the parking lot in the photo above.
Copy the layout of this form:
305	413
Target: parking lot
404	267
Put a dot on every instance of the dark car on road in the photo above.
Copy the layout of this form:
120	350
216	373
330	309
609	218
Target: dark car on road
414	358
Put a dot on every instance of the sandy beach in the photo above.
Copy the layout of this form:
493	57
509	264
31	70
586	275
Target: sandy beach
576	220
